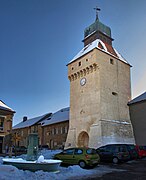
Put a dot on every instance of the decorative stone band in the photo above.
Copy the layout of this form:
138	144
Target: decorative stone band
116	121
83	72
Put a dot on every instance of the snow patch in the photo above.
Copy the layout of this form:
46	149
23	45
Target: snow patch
59	116
8	172
40	159
93	45
49	154
116	121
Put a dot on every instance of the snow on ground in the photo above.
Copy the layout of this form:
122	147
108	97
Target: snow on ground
8	172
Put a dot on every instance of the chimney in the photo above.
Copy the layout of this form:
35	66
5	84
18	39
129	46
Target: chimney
24	118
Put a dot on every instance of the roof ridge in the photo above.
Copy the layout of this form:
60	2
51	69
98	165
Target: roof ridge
4	105
141	97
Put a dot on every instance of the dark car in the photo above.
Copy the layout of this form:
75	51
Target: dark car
20	149
114	153
41	147
132	151
82	156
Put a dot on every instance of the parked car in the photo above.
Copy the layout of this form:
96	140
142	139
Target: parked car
82	156
41	147
20	149
132	151
141	151
114	153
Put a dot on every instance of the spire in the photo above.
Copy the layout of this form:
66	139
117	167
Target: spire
97	9
97	30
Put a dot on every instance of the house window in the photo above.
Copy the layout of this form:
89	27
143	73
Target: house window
1	123
55	143
66	129
61	130
111	61
22	133
80	63
47	133
56	130
35	129
53	131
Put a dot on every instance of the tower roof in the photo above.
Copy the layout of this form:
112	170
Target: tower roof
97	30
97	26
98	44
98	36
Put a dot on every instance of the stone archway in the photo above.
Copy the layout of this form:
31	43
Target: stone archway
83	139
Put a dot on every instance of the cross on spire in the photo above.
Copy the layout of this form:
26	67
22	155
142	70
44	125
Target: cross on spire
97	9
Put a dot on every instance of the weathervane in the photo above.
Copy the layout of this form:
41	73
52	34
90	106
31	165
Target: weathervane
97	9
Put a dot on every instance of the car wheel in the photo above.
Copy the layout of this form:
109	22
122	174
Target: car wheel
82	164
115	160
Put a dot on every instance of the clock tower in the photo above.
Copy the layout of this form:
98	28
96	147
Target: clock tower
100	89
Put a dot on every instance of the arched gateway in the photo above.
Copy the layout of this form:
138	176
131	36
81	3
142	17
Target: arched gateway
83	139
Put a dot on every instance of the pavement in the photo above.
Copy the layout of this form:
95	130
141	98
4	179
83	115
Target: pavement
132	170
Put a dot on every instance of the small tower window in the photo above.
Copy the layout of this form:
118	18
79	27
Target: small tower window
80	63
111	61
86	60
114	93
72	68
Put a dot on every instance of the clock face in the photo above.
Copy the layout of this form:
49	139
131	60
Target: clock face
83	81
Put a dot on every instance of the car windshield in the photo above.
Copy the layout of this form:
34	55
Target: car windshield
68	151
141	147
132	147
91	151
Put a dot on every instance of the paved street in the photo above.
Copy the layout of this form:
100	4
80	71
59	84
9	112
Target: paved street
133	170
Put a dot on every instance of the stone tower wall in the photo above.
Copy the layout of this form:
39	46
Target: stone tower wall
99	108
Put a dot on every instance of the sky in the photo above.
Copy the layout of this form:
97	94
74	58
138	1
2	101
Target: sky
39	37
